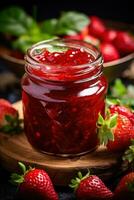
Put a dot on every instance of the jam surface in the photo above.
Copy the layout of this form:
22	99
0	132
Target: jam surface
60	114
67	57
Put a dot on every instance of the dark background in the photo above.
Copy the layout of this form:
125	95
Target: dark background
116	10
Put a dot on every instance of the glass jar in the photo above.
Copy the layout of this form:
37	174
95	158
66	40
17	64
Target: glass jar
61	103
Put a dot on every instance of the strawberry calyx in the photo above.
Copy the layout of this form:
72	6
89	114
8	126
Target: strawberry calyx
112	101
76	181
17	179
129	154
130	186
106	127
12	125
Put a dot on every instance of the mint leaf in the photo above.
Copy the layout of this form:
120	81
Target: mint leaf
118	89
57	49
26	41
15	21
69	23
49	26
72	22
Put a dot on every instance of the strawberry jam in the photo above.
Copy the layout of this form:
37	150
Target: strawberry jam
63	90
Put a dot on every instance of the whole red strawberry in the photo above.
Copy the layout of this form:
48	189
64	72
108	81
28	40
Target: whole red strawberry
9	119
109	52
125	188
124	43
96	27
109	35
90	187
92	40
115	131
34	184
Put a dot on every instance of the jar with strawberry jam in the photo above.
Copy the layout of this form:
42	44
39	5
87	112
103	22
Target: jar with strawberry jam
63	90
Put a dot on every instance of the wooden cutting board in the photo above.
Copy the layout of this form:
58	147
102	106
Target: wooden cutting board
16	148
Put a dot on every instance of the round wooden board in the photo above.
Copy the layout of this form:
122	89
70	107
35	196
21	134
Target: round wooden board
16	148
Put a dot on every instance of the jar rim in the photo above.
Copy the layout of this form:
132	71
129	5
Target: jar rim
78	43
79	69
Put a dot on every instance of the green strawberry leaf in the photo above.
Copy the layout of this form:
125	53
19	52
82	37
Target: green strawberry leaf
8	118
130	186
19	178
16	179
105	127
13	125
129	153
112	101
105	135
23	167
76	181
100	119
80	175
113	121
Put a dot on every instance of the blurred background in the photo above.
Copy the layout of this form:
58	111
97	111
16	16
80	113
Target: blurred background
116	10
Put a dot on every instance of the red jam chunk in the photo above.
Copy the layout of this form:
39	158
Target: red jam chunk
66	60
60	114
70	57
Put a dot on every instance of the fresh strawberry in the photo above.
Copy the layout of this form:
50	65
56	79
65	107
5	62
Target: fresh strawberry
96	27
109	52
124	42
128	157
90	187
123	111
84	32
115	131
125	188
92	40
5	102
34	184
109	35
9	120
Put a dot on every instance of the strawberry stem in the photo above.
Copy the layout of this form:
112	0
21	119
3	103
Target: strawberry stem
17	179
129	155
76	181
23	167
13	125
130	186
105	127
